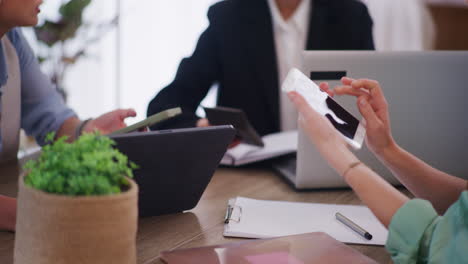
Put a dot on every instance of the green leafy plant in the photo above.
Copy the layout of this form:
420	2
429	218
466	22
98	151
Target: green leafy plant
88	166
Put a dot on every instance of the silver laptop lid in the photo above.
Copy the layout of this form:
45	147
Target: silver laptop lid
427	94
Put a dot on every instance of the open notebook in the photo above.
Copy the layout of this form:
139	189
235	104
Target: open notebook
251	218
276	144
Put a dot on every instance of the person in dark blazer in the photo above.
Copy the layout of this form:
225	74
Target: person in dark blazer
237	51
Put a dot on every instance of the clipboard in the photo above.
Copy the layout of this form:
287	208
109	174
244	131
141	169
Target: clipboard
250	218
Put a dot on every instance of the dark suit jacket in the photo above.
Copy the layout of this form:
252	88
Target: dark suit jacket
237	51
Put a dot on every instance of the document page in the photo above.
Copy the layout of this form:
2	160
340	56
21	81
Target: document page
275	145
265	219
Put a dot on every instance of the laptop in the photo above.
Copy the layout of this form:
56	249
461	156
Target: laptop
175	166
427	94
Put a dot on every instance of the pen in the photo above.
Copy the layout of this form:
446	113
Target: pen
347	222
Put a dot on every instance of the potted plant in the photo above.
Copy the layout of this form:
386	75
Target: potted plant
77	204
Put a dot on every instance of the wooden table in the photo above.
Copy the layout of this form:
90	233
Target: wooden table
204	224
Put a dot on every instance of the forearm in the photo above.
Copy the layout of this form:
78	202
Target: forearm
7	213
381	198
424	181
68	128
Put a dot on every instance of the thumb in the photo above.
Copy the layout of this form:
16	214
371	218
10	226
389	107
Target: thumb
367	112
124	113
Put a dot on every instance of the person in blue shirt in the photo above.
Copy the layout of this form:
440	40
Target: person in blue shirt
430	229
39	108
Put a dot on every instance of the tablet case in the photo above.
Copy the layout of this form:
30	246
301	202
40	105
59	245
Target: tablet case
175	166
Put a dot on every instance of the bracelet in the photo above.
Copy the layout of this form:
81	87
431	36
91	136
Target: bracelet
79	128
352	165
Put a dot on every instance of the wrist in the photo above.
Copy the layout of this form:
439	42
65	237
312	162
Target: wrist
349	168
83	126
388	152
342	159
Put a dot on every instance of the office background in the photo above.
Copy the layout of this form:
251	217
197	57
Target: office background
131	63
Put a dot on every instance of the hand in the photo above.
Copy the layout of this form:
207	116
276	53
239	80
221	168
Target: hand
203	122
7	213
374	108
322	133
326	88
109	122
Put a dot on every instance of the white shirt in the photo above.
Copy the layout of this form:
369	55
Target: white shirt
290	40
401	25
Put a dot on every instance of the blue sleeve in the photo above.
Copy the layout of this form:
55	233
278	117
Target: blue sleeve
417	234
42	107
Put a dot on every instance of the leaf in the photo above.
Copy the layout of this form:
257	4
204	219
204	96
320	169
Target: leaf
88	166
74	8
49	32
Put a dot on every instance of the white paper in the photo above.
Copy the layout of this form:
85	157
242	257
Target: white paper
275	145
265	219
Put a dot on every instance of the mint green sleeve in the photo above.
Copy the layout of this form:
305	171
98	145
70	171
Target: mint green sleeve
417	234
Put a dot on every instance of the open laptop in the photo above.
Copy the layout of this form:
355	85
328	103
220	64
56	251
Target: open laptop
427	94
175	166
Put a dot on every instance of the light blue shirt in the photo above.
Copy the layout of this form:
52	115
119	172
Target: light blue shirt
42	107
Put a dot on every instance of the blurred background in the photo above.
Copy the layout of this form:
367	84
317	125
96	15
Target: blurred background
124	51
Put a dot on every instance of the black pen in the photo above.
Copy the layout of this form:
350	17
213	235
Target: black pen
347	222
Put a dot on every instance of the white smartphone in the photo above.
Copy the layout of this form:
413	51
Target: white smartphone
349	127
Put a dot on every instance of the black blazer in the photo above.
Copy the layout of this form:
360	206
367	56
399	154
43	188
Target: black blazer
237	51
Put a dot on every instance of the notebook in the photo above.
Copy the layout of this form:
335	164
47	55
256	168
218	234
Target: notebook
251	218
275	145
299	249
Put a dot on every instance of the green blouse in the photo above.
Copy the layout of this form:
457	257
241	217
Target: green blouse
417	234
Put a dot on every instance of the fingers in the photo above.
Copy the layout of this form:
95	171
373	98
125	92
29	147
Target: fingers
349	90
373	87
370	85
326	88
203	122
124	113
303	107
346	80
367	111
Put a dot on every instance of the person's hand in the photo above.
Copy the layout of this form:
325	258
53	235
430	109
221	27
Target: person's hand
7	213
374	108
109	122
203	122
326	88
324	136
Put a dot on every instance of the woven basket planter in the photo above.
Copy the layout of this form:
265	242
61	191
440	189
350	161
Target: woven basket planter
64	229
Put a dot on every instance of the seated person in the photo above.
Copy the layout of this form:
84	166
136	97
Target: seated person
28	99
432	228
247	50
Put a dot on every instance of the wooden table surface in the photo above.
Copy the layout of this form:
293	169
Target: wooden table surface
204	224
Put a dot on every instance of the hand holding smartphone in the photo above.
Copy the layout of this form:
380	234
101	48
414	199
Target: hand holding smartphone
349	127
151	120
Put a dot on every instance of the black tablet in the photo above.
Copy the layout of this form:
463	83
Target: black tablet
238	119
175	166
